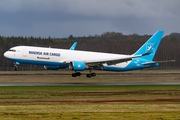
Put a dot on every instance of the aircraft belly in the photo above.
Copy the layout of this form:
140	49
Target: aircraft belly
117	67
39	62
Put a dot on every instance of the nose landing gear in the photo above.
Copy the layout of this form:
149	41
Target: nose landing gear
16	67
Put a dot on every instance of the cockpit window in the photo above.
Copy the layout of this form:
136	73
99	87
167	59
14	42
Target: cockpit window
12	50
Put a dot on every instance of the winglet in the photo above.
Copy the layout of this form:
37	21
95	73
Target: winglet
73	47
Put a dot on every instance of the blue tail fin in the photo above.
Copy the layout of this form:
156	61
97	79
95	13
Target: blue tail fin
150	47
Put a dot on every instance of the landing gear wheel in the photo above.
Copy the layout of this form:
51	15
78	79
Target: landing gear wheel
89	75
93	74
76	74
16	69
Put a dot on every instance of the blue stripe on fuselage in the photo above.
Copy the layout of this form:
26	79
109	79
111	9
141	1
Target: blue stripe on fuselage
39	62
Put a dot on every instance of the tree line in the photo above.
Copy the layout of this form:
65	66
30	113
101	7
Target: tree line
111	42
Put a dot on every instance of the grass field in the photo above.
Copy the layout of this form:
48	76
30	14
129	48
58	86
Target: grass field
110	102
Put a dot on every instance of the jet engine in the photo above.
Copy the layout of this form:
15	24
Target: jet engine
77	66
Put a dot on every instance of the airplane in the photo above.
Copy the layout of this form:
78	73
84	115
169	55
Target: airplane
76	60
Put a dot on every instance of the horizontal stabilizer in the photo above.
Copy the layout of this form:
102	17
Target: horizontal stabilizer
166	61
154	62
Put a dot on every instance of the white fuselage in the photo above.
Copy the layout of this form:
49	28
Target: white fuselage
53	57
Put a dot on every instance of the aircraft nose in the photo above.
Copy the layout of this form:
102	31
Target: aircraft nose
6	54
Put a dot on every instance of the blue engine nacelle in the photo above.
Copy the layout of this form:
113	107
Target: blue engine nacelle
51	67
77	66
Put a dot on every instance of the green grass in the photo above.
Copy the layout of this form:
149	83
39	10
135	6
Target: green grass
109	102
92	111
90	102
57	93
89	88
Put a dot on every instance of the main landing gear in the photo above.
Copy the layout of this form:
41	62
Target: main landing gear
91	74
76	74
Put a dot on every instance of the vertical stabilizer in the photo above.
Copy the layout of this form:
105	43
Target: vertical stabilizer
151	46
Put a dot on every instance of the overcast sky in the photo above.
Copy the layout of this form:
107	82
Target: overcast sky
60	18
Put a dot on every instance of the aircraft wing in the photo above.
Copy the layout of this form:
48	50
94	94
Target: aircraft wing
110	61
